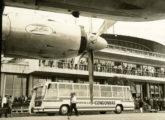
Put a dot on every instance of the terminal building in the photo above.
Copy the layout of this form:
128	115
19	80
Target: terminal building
136	62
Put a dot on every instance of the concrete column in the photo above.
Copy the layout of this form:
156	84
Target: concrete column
141	91
148	90
30	85
159	91
3	84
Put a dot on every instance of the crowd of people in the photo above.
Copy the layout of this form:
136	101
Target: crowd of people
149	104
22	101
7	103
107	66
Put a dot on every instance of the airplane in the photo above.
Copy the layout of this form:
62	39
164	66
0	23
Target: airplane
110	10
30	37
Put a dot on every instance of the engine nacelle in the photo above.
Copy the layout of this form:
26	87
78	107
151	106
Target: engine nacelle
29	36
32	37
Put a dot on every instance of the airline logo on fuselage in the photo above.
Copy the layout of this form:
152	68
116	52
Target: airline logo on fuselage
39	29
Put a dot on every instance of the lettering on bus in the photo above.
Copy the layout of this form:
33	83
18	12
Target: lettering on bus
104	102
98	102
83	102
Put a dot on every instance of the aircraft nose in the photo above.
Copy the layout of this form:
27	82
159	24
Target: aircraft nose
101	43
96	43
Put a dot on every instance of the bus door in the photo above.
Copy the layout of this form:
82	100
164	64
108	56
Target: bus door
37	96
32	102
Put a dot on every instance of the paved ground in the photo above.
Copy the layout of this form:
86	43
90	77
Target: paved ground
124	116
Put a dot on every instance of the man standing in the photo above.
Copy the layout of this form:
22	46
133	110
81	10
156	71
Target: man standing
5	105
10	103
73	101
141	105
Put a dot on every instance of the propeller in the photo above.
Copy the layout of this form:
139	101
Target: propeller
106	24
95	42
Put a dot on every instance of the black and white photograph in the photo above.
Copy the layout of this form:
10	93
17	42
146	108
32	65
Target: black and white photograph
82	60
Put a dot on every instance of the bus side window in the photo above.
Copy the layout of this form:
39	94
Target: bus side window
51	92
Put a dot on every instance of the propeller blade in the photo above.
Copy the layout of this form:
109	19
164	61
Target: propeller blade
106	24
90	25
78	58
82	55
91	76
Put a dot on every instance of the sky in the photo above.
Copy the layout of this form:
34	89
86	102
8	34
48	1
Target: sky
153	30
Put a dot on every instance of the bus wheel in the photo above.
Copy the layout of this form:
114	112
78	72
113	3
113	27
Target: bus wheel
64	109
118	109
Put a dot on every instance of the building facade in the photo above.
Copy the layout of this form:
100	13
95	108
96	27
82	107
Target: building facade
127	60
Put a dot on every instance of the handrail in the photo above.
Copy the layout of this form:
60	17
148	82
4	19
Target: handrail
143	52
20	64
108	69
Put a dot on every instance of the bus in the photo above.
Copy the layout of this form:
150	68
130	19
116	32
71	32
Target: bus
53	97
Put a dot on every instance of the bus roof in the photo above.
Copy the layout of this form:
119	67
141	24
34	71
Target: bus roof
46	83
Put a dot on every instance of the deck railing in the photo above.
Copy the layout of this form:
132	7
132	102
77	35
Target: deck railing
107	69
132	50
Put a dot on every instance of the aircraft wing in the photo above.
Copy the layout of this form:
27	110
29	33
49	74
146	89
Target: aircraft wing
119	10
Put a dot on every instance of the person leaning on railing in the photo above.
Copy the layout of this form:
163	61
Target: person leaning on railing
109	66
